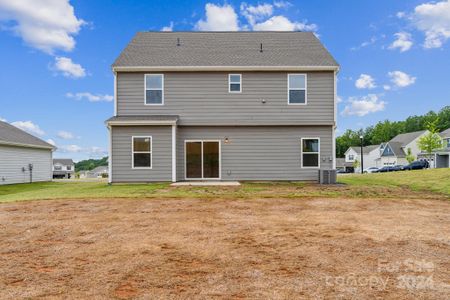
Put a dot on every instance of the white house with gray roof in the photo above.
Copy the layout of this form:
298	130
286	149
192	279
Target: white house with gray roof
63	168
23	157
222	106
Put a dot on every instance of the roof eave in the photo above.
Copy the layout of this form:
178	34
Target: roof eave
141	122
27	145
221	68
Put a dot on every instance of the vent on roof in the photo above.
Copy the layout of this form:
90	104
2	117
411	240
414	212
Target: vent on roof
261	49
178	42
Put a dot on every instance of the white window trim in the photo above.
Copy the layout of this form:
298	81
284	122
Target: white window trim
305	89
185	160
229	83
162	90
301	152
151	152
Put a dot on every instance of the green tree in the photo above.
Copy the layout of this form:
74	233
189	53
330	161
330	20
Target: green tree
386	130
409	157
356	164
431	141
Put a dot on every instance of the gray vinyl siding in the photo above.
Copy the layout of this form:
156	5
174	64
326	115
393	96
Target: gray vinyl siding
202	98
260	153
122	170
14	158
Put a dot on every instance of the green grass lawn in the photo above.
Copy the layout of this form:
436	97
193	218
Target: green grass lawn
433	180
397	184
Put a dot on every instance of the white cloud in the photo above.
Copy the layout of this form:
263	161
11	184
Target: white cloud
433	19
400	14
403	42
225	18
46	25
401	79
281	23
363	105
219	18
256	13
386	87
70	149
65	135
29	127
339	99
68	68
3	120
91	97
282	4
97	152
51	142
168	28
365	81
365	44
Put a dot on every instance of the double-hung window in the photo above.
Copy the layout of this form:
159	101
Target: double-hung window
297	89
310	152
234	83
142	152
154	89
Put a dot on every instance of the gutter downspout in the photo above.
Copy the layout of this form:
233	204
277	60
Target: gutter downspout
174	153
110	156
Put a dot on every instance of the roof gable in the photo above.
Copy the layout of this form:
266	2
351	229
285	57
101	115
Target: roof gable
445	133
225	49
63	161
406	138
11	135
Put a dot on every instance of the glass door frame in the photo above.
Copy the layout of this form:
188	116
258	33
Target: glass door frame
185	160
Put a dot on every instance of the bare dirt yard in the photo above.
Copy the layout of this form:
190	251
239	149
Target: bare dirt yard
249	248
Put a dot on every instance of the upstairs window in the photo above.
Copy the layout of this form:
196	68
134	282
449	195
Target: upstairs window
142	152
154	89
234	83
351	157
310	152
297	89
69	168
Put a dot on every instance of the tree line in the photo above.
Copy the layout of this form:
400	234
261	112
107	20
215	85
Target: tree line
89	164
384	131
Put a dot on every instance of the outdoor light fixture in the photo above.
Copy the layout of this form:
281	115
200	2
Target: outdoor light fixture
227	140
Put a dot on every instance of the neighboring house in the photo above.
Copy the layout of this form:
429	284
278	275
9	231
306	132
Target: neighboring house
223	106
390	153
395	151
341	164
441	157
370	155
63	168
98	172
23	157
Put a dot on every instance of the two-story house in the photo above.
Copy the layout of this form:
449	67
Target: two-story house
370	155
222	106
63	168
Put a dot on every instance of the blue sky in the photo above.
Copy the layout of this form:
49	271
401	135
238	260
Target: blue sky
56	79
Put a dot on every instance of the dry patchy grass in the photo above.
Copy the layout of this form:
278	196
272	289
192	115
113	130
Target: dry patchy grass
221	248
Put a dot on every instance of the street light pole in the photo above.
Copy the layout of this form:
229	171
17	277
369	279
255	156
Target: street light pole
362	155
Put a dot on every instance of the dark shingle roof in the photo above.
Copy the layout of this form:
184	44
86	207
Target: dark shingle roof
11	135
63	161
154	49
406	138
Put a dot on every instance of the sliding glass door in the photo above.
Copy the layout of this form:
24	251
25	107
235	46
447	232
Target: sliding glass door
202	160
